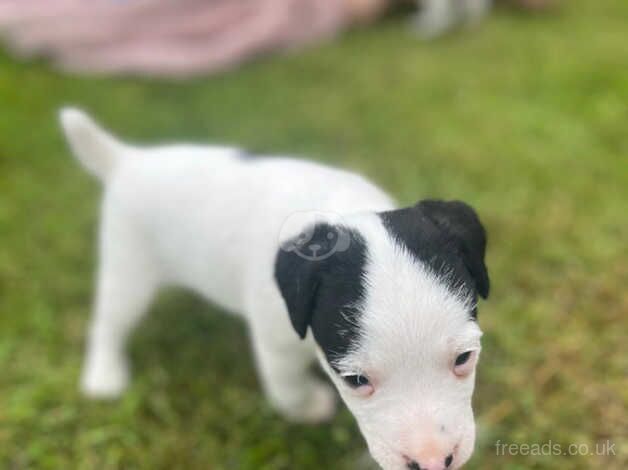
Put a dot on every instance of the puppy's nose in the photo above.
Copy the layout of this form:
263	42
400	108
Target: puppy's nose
315	247
431	463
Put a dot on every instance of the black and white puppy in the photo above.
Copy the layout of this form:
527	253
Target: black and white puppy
319	262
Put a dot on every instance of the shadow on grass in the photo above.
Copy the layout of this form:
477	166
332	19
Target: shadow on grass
194	368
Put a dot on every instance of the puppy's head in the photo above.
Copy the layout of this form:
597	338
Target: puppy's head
394	318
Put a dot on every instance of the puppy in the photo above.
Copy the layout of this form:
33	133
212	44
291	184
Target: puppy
321	265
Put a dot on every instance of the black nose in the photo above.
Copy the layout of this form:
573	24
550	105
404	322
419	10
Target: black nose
413	465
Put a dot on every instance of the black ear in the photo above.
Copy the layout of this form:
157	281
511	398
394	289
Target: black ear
298	284
460	221
298	273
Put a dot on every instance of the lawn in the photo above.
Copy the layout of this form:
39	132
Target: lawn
525	118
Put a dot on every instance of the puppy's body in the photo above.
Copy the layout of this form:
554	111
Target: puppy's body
211	216
206	218
384	291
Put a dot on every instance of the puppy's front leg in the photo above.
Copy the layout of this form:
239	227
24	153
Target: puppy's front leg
288	381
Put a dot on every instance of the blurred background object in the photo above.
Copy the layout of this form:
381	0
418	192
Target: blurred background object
436	17
189	37
171	37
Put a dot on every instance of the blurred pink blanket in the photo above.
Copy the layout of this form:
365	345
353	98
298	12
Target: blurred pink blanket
170	37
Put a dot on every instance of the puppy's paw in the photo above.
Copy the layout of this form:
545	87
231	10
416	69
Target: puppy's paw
104	383
320	405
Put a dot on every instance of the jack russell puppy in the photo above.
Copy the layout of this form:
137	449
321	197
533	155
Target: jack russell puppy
322	266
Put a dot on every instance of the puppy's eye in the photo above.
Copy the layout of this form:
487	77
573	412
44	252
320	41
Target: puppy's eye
355	381
465	363
463	358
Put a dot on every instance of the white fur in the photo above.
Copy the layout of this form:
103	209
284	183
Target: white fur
206	219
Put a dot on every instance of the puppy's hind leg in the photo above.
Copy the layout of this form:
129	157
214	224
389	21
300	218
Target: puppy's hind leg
127	281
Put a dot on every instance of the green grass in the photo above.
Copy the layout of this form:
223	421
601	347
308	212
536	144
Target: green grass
525	118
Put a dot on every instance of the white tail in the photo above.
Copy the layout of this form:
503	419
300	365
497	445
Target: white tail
97	150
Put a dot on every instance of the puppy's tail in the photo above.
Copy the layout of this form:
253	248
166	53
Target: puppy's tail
97	150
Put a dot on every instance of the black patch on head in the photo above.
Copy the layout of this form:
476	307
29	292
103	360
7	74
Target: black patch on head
323	292
448	237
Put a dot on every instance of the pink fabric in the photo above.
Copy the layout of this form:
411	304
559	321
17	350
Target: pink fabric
164	37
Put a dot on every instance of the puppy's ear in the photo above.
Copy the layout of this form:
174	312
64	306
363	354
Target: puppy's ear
298	275
460	221
298	283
